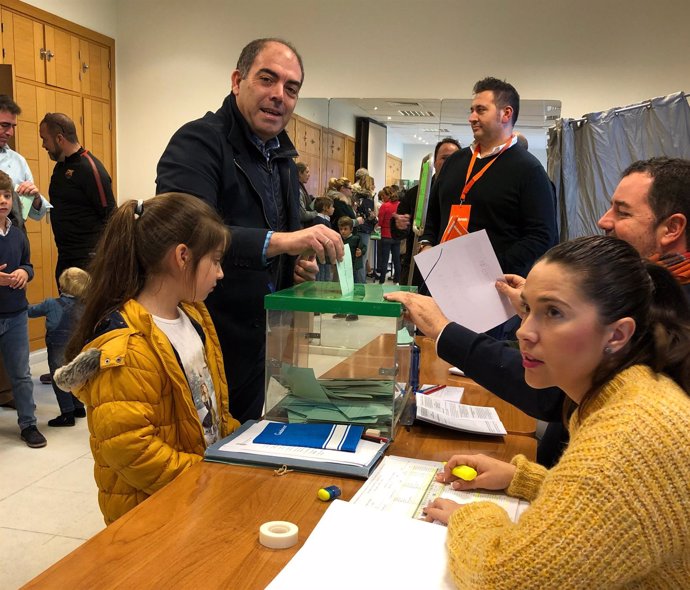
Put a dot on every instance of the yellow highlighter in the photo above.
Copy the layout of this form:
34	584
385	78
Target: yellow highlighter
464	472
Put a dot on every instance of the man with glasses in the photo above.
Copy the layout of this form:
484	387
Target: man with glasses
16	167
240	161
80	190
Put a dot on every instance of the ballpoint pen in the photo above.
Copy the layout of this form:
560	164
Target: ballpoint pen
429	390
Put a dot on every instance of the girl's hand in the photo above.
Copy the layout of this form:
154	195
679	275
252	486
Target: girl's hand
492	474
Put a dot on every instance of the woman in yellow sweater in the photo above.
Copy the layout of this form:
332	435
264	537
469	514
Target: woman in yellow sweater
613	332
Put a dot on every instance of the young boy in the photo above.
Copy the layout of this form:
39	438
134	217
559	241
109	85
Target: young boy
15	272
358	249
61	315
324	209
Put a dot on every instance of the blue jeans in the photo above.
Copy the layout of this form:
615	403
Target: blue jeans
14	347
389	246
56	358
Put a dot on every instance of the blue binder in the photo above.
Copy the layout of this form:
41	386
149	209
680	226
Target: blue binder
215	454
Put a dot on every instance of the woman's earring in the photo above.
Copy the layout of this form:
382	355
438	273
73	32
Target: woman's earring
607	350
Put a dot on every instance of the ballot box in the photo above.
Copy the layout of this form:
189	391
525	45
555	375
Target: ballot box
338	358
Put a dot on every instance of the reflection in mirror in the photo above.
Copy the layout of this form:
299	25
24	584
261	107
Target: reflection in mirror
411	132
324	133
308	129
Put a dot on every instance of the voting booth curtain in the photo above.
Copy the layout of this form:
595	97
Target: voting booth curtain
586	156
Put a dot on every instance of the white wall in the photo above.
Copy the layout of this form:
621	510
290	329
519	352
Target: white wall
97	15
175	58
412	160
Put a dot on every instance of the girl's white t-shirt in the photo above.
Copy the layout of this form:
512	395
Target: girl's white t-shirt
190	348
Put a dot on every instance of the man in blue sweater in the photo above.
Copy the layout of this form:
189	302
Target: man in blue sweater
15	272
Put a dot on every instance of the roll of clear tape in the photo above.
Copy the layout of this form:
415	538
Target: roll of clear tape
278	534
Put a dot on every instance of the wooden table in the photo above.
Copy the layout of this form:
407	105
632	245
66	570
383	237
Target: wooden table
201	531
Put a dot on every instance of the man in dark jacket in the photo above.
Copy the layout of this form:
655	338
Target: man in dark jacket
240	160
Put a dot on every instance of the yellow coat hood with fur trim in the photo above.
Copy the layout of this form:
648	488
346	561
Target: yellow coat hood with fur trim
145	430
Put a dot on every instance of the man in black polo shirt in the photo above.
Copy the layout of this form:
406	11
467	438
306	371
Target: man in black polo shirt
80	192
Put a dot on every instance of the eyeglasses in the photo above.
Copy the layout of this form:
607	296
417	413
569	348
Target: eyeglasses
7	126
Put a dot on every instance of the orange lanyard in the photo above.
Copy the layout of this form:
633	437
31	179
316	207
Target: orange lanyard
469	183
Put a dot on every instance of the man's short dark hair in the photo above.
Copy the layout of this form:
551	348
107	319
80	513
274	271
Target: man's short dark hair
670	190
504	94
9	106
452	140
253	48
62	124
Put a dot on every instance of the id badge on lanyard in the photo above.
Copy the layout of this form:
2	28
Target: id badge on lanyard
459	219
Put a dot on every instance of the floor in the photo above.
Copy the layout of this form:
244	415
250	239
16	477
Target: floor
48	501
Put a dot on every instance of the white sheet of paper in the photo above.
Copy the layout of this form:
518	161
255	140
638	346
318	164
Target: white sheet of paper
448	393
478	419
345	274
461	275
355	546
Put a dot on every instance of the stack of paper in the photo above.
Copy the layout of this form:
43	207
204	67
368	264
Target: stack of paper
357	547
476	419
309	399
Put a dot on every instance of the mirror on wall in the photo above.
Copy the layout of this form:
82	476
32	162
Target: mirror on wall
400	132
308	129
535	117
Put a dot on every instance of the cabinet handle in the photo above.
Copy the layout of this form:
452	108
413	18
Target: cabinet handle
84	67
49	55
42	53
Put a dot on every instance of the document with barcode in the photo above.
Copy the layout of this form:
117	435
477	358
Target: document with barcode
476	419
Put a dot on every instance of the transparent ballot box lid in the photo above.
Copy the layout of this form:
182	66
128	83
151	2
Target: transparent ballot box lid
337	359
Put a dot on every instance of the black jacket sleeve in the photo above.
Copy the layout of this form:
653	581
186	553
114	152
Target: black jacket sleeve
193	163
497	366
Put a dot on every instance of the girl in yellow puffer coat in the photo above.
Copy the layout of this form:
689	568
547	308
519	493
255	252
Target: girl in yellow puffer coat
145	358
